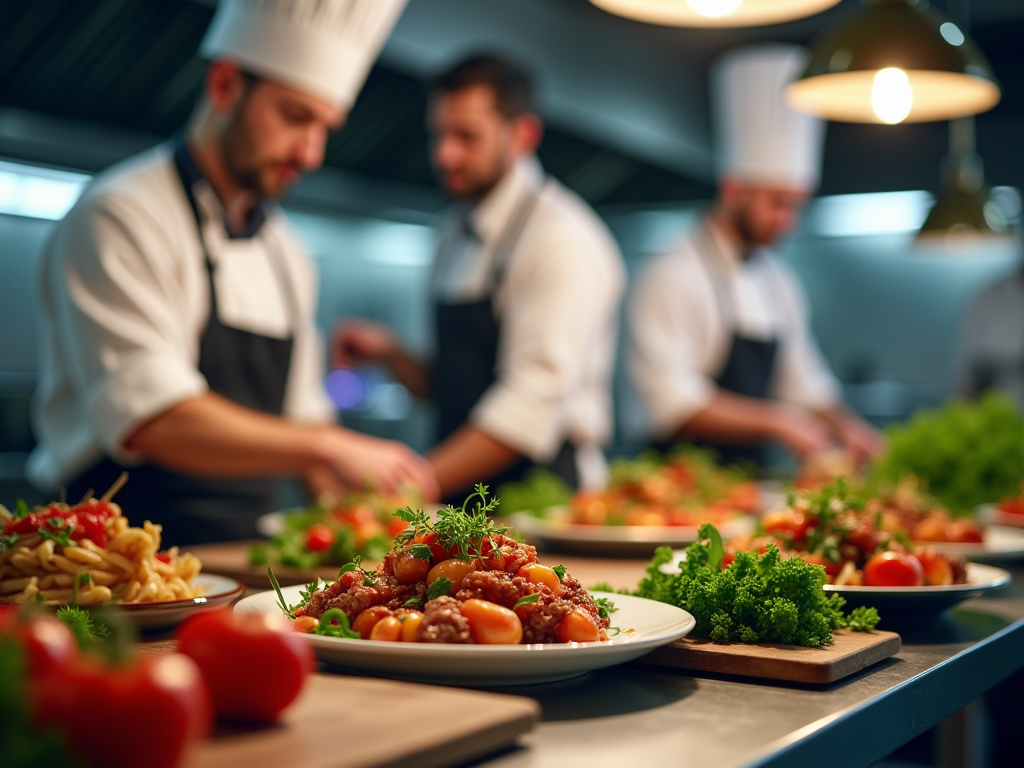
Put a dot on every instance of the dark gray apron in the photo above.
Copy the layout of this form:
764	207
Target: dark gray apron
244	367
467	355
750	366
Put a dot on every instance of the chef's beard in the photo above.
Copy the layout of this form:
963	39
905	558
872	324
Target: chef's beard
239	149
748	232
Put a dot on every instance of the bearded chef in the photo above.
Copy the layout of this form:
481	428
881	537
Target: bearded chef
178	339
525	291
720	347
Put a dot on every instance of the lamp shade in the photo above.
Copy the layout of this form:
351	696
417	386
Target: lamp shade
895	63
715	13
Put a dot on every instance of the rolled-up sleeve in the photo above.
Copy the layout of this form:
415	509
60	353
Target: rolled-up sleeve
668	333
123	328
803	377
565	288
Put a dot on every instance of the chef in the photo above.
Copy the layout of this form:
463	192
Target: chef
719	345
525	290
991	354
177	334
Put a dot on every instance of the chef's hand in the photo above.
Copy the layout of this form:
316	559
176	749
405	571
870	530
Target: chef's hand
354	460
358	343
802	432
860	438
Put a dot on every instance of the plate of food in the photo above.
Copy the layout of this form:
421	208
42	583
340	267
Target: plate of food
650	501
88	554
331	531
458	601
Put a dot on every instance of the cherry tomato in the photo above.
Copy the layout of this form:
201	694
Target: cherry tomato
252	664
86	521
1012	506
893	569
536	573
578	627
938	572
160	706
319	538
48	643
492	624
787	524
396	526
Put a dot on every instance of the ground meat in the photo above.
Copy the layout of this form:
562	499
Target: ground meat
574	593
496	587
443	623
382	590
541	619
514	553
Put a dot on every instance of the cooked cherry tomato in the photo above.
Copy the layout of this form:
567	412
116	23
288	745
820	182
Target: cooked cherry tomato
454	570
85	521
893	569
578	627
161	707
408	568
536	573
492	624
1012	506
367	620
252	664
319	538
938	572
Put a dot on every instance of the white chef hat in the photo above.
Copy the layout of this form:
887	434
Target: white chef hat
760	139
324	47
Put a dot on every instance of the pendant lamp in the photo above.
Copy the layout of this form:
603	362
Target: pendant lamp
714	13
965	210
895	62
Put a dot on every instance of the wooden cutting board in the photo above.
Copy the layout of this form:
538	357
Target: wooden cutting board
358	722
851	652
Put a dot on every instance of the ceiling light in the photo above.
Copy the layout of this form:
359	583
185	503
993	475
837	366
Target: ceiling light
946	75
715	13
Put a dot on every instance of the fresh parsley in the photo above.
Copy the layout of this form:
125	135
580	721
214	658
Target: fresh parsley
441	587
413	602
605	607
421	551
757	599
21	511
527	599
59	531
306	593
334	623
10	541
467	531
560	572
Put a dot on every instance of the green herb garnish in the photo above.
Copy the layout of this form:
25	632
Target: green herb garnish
527	599
280	596
757	599
560	572
21	510
467	531
60	531
605	607
341	629
9	541
441	587
421	551
89	633
413	602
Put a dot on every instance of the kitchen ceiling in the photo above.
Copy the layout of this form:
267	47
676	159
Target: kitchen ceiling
625	102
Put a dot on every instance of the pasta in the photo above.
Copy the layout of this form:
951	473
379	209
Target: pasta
88	554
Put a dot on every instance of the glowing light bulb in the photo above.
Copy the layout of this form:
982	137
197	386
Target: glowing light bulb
891	95
714	8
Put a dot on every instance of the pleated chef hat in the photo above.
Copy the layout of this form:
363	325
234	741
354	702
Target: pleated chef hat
760	139
323	47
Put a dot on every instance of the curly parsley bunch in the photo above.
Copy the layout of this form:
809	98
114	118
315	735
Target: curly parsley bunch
757	599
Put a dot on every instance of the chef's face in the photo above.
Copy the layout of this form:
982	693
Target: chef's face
273	134
761	214
474	143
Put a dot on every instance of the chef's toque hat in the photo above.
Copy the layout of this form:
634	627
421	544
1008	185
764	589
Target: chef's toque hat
324	47
760	139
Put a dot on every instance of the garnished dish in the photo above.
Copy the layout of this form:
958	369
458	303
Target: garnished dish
333	531
750	597
650	500
458	600
861	542
88	554
458	579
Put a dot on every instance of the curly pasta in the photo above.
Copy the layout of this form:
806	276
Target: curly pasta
50	554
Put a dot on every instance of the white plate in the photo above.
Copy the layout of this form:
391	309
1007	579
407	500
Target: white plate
900	603
991	514
219	590
1000	543
654	624
272	523
637	540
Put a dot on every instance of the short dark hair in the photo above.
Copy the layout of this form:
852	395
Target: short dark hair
513	89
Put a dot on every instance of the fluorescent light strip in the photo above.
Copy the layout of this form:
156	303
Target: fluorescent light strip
38	193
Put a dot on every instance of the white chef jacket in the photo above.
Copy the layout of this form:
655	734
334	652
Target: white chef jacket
557	305
992	341
124	298
680	341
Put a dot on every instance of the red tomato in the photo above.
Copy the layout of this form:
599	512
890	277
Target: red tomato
47	642
893	569
396	526
252	664
787	524
437	553
160	707
1012	506
87	521
319	538
831	568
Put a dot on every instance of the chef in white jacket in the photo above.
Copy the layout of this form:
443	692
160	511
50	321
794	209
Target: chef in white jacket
177	334
525	292
719	346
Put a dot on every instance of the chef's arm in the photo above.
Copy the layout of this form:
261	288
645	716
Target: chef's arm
210	435
731	418
467	456
857	436
360	343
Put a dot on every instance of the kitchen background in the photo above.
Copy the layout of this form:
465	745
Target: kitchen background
84	83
